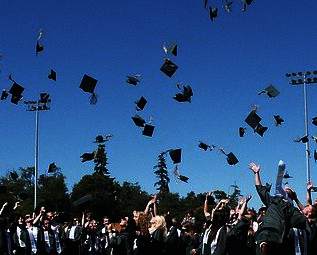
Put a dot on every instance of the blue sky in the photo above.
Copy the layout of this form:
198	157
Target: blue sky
226	62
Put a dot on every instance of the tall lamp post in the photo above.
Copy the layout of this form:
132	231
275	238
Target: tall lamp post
304	79
37	106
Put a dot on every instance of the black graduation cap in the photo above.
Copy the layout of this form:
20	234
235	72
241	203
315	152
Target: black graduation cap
88	84
176	155
83	203
14	176
138	120
52	168
23	196
148	130
213	13
271	91
16	91
141	103
4	95
44	98
101	139
39	47
169	68
278	120
287	176
133	79
87	156
183	178
3	189
185	96
253	119
241	131
315	155
174	50
303	139
260	129
314	120
227	5
52	75
204	146
231	159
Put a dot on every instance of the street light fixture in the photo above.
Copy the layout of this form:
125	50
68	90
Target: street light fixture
304	78
37	106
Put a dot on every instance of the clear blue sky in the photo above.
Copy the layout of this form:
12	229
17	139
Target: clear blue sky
226	62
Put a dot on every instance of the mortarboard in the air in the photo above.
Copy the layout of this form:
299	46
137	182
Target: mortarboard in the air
278	120
52	75
183	178
44	98
83	203
174	50
260	129
138	120
241	131
303	139
23	196
231	159
176	155
315	155
88	84
245	3
148	130
4	95
51	168
16	91
314	121
133	79
87	156
271	91
14	176
287	176
3	189
39	47
203	146
213	13
169	68
253	119
141	103
185	96
101	139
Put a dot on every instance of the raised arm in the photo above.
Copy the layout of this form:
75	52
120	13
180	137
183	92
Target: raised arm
154	205
208	194
309	188
256	170
4	205
244	206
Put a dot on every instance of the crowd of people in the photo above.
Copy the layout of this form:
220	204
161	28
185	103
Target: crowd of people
282	226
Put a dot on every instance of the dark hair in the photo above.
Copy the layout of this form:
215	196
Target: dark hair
219	219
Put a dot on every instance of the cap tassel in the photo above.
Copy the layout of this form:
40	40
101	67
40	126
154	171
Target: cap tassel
93	99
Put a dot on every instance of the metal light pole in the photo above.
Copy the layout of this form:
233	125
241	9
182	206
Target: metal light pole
37	106
304	79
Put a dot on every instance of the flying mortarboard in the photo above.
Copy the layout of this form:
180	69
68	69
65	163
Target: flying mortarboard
148	130
176	155
174	50
278	120
204	146
88	84
303	139
241	131
213	13
271	91
183	178
101	139
315	155
314	121
4	95
39	47
133	79
52	75
87	156
14	176
253	119
169	68
245	3
16	91
287	176
138	120
51	168
227	5
231	159
260	129
141	103
185	96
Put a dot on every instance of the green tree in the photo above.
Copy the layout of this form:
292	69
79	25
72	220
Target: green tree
162	173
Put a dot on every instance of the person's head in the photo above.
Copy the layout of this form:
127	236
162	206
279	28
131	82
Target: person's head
158	222
28	219
219	219
19	219
105	220
50	215
47	223
250	214
310	213
136	215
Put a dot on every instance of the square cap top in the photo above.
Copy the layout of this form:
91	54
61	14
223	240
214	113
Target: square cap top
87	156
52	75
169	68
4	95
231	159
148	130
138	120
88	84
14	176
176	155
133	80
141	103
52	168
39	47
203	146
16	89
278	120
241	131
303	139
253	119
213	13
271	91
183	178
260	129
